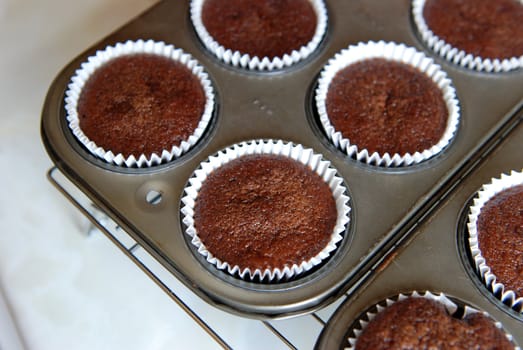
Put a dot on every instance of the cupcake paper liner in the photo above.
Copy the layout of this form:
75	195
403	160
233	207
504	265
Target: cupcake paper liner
393	52
273	147
255	63
455	55
101	57
488	191
440	298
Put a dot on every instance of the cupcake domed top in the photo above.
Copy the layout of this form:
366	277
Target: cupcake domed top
423	323
485	28
483	35
386	107
386	104
269	28
500	235
264	212
260	34
495	230
140	104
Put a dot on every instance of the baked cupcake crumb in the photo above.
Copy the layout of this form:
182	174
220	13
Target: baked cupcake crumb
422	323
262	28
500	237
485	28
386	104
386	107
141	104
495	237
264	212
260	35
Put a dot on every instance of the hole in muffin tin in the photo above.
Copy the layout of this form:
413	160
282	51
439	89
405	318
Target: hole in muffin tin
154	197
469	265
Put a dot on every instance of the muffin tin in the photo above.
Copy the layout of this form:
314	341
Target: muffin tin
385	203
438	250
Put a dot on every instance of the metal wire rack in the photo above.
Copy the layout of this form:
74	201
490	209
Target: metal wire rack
294	333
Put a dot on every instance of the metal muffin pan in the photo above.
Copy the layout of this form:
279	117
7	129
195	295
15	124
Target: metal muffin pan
279	105
434	256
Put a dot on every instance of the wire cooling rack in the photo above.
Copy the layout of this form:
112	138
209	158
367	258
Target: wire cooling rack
293	333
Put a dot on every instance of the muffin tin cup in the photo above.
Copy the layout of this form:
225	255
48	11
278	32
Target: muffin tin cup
453	307
101	57
398	53
298	153
254	63
487	192
455	55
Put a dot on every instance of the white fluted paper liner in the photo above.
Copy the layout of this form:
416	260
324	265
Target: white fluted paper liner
101	57
393	52
303	155
455	55
440	298
255	63
487	192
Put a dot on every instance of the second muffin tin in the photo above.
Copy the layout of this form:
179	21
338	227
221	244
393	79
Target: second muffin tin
385	203
435	255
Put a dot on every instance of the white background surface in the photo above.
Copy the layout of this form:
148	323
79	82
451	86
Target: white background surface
63	289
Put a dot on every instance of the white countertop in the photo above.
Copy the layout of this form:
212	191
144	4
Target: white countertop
65	290
62	288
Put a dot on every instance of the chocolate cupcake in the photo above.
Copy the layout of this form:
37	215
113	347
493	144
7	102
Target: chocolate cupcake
386	104
260	34
427	321
483	35
496	237
138	104
265	210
